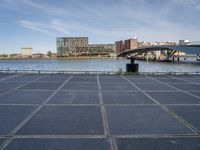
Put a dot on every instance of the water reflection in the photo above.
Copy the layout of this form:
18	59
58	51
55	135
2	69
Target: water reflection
96	65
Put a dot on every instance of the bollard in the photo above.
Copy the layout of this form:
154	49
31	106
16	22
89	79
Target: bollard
132	60
132	67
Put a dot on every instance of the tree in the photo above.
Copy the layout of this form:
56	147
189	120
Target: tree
4	55
49	53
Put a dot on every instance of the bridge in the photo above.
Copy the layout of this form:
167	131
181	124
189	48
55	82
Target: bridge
170	49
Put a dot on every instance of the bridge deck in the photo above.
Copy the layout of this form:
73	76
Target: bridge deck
101	112
186	49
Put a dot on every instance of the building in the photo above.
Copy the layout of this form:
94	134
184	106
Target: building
126	45
119	46
79	46
104	47
104	50
143	44
68	45
131	43
184	42
26	51
146	44
38	55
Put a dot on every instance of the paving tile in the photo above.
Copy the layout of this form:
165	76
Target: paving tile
159	144
33	75
83	80
41	86
189	113
3	91
80	86
24	97
9	85
11	116
85	120
1	141
142	120
112	79
135	76
174	98
155	86
64	76
183	76
22	79
51	80
59	144
109	76
140	80
171	80
159	76
117	86
5	75
195	93
125	98
85	75
193	80
187	87
54	78
75	98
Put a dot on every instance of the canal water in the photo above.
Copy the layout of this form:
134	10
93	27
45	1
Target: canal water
96	65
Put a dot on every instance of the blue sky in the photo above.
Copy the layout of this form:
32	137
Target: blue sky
37	23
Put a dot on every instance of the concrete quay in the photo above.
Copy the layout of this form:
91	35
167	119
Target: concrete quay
99	112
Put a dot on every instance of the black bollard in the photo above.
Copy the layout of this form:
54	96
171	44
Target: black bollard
132	60
132	67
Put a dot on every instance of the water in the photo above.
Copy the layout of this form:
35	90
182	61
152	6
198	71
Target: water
95	65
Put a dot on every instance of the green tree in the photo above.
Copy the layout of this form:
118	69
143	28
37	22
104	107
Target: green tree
49	53
4	55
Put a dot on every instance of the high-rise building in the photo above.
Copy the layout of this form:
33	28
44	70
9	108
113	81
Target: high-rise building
126	45
78	46
26	51
131	43
119	46
69	45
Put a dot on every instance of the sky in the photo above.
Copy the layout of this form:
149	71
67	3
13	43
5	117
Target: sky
37	23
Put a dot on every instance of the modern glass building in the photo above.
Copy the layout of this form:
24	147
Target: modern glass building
79	46
69	45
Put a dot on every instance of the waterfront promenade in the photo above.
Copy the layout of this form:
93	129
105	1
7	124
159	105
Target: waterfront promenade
99	112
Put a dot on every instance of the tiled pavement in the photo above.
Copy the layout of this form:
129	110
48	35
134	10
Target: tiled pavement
99	112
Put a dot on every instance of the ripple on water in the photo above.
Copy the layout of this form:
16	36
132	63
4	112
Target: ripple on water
96	65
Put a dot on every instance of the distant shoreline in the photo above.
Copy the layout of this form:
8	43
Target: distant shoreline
58	58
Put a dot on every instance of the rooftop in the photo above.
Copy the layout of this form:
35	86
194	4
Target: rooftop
101	112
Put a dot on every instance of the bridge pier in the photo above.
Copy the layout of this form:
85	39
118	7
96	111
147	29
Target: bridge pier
132	67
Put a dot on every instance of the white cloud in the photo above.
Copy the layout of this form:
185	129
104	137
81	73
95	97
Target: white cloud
59	26
34	26
191	4
22	5
197	7
44	7
130	17
184	2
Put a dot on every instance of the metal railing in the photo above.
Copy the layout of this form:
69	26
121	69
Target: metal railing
94	72
56	72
